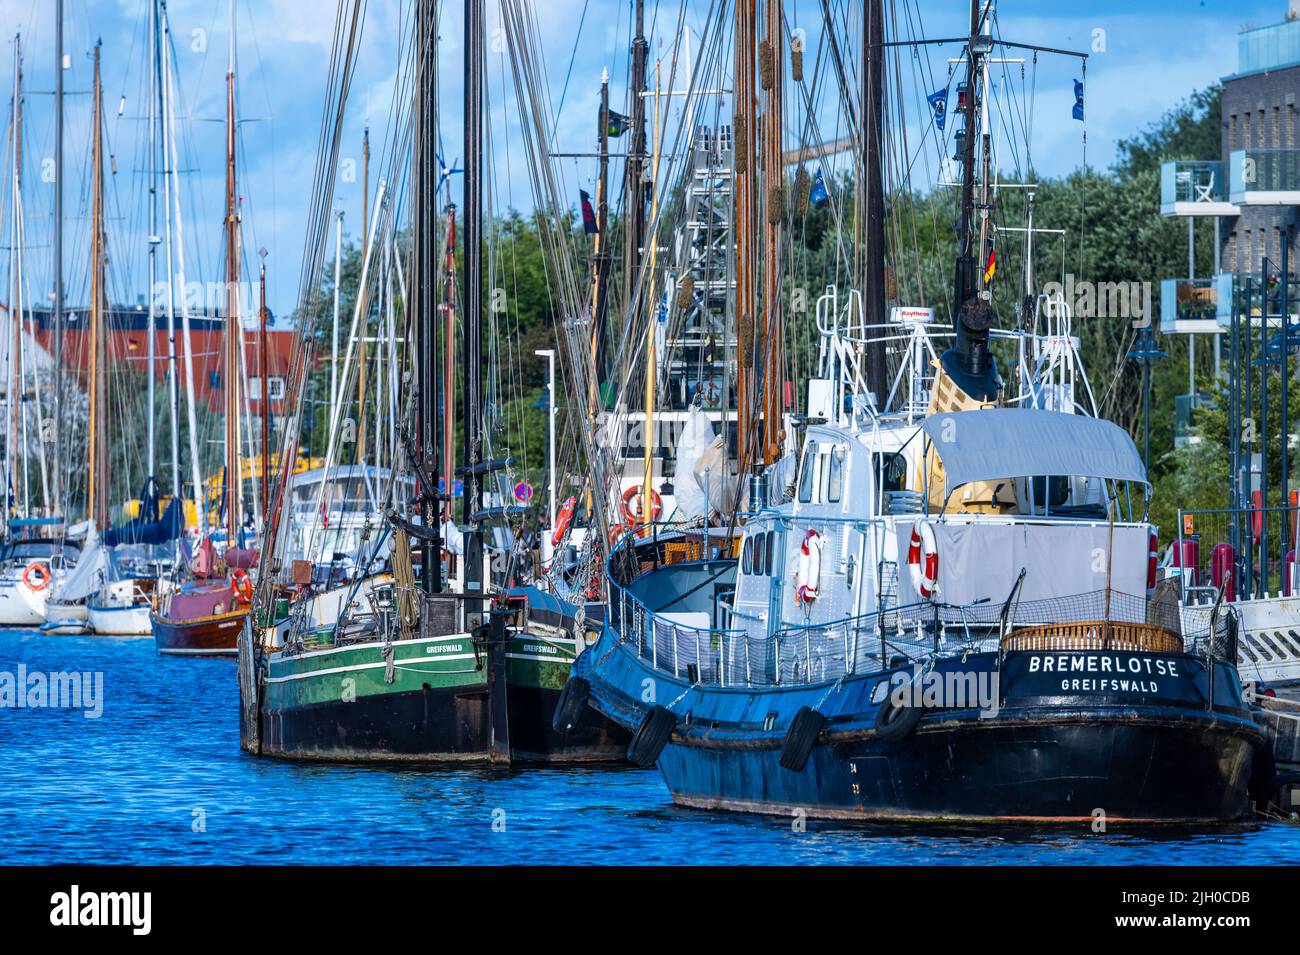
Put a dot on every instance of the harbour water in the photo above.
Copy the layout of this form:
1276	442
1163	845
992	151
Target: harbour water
158	778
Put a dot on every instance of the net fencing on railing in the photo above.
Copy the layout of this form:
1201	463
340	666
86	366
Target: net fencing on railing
823	652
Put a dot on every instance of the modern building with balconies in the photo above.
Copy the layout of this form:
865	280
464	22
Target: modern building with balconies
1251	193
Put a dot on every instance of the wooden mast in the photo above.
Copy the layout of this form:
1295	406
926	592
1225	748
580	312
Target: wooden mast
600	256
436	468
745	208
472	319
869	218
97	481
234	473
772	348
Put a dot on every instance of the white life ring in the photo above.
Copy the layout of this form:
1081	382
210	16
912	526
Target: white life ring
807	575
923	559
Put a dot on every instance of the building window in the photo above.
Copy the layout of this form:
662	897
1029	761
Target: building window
275	388
1232	132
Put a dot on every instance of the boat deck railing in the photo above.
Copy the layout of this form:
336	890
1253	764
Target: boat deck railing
893	636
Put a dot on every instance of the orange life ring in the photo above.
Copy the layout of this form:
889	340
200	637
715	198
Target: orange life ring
634	516
45	576
562	521
241	588
923	559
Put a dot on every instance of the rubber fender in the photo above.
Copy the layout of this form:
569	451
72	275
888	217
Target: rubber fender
571	704
651	737
895	722
800	738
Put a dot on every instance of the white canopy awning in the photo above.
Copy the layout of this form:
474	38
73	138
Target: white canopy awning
1028	442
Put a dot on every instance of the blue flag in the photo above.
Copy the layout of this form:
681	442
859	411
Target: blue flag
818	195
939	105
1077	112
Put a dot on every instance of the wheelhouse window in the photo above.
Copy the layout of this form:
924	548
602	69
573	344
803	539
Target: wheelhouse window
835	479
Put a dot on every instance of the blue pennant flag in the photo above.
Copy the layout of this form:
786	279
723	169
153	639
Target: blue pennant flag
939	105
1077	112
818	195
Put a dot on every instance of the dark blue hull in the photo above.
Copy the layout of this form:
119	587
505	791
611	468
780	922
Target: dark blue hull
1143	743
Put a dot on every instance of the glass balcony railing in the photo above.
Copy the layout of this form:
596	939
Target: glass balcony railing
1194	300
1188	183
1264	177
1268	48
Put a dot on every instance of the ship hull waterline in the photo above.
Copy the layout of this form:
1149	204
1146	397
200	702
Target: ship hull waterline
431	706
1038	759
212	636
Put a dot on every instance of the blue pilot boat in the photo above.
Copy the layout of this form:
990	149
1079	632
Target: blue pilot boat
806	673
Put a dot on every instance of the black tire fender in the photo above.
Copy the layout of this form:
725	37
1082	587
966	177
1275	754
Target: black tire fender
651	737
800	738
571	704
895	722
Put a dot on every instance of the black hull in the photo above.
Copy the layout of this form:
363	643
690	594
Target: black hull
436	725
1105	767
441	725
595	739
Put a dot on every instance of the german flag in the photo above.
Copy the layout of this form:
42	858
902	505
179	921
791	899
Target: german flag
991	267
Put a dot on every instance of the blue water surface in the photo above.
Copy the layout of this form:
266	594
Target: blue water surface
159	779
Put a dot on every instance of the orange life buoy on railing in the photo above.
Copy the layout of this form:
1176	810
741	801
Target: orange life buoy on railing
808	573
44	576
562	521
633	514
923	559
241	588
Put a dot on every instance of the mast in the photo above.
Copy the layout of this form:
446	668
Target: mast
600	252
150	496
425	226
774	169
968	362
264	366
97	480
162	79
365	316
448	354
634	190
14	371
746	203
869	223
472	292
58	258
651	360
234	473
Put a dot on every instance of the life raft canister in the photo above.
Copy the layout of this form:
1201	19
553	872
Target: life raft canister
563	520
632	512
923	559
807	576
241	588
42	573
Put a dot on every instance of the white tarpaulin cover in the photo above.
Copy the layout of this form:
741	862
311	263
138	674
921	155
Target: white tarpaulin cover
90	573
693	443
981	560
1028	442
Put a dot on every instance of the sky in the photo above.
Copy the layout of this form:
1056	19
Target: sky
1145	56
